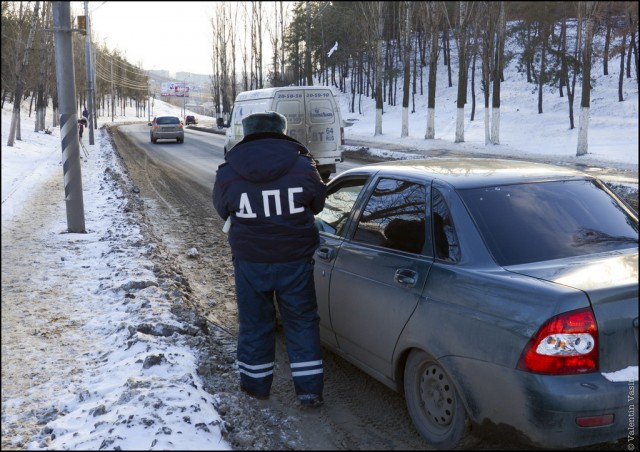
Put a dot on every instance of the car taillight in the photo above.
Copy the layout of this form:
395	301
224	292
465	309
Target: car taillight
565	344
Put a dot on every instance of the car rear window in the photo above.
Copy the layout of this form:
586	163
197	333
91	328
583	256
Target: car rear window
168	120
549	220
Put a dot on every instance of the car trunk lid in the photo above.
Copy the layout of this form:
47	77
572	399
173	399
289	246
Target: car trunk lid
610	280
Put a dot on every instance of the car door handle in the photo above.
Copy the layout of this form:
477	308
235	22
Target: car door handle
406	277
325	253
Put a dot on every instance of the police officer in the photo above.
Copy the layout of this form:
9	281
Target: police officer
271	189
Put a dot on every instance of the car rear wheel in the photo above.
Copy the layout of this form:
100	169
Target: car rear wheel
433	402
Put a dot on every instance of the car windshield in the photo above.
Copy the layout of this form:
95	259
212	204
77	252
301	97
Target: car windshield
168	120
551	220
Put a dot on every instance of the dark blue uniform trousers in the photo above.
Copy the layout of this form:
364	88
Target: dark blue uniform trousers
292	284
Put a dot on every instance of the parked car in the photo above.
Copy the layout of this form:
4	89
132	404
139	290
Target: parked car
190	120
489	291
166	128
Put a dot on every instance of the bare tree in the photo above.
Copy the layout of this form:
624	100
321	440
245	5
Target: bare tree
465	16
246	51
488	26
591	9
379	68
498	66
307	47
256	39
42	70
623	51
434	12
372	13
223	45
14	131
407	68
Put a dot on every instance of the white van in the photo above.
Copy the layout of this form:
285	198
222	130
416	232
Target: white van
313	118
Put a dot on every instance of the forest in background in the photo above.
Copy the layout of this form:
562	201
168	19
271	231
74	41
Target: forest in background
386	50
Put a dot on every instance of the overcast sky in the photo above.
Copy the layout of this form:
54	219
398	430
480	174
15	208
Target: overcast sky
175	36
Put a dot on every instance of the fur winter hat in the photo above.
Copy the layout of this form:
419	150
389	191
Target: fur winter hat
269	121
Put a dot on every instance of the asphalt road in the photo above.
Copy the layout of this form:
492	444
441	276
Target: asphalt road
175	182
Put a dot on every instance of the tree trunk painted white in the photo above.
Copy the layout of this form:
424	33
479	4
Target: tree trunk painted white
495	126
379	69
487	127
14	130
378	121
431	120
460	126
405	122
583	128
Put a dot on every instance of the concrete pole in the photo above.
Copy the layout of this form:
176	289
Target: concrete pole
66	83
93	78
87	59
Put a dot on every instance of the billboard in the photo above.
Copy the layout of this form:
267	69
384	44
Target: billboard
177	89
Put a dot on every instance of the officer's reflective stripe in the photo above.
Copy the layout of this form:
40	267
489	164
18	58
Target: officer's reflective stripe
312	368
307	364
256	366
255	375
248	369
302	373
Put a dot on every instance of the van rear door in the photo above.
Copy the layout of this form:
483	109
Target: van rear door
290	103
323	126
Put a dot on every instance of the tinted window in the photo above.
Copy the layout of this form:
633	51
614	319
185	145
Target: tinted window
551	220
394	216
168	120
338	206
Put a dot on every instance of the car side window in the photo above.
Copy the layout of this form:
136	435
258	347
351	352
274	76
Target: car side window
394	216
444	234
338	206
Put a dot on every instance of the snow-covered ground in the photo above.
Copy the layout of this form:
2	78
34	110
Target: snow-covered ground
92	355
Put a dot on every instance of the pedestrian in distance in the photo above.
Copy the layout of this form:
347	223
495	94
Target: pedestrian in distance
81	124
269	188
85	113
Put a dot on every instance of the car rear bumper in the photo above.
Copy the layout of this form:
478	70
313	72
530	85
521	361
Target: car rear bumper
168	135
545	408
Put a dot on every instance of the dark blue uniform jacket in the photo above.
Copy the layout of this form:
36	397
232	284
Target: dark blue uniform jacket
270	186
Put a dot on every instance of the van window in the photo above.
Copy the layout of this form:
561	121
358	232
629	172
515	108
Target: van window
321	111
292	110
246	108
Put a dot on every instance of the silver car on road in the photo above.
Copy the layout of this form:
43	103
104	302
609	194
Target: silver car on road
166	128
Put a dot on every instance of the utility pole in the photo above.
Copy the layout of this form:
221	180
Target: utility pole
113	97
88	61
66	84
93	78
